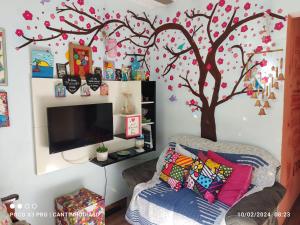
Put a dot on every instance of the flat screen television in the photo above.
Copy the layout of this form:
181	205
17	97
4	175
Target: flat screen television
76	126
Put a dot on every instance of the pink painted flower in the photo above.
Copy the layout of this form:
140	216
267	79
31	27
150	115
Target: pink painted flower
258	49
244	28
173	39
224	85
92	10
94	49
178	14
96	38
80	2
263	63
170	87
247	6
224	24
221	49
228	8
107	16
192	102
118	15
65	36
118	34
220	61
179	85
208	67
62	18
236	20
231	37
81	18
250	92
157	70
27	15
215	19
210	6
52	16
194	62
19	32
174	20
81	42
221	3
267	39
188	24
205	84
279	26
47	24
265	80
216	34
171	77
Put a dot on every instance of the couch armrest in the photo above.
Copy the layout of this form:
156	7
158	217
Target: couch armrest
139	173
260	206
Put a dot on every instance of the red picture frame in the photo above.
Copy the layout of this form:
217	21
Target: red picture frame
133	127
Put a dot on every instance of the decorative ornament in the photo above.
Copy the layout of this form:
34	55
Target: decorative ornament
257	103
281	76
262	112
267	105
94	81
276	85
254	95
72	83
272	96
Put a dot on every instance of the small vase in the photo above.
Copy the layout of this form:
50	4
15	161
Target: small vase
102	156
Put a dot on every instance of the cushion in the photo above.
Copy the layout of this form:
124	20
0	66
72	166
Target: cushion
4	216
175	169
237	184
207	178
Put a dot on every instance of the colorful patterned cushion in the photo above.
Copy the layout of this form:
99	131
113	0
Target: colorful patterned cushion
175	169
207	176
4	217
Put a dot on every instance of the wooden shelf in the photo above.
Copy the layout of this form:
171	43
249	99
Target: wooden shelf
123	136
115	158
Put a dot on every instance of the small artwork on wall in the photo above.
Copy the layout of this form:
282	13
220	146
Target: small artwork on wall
4	116
133	126
61	70
3	65
98	71
60	90
125	73
118	74
81	63
104	89
85	90
42	63
108	70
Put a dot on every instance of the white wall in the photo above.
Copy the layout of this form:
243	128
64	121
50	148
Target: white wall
17	158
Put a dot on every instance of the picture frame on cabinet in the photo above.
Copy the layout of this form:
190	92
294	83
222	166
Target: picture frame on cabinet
60	90
108	70
61	70
3	59
81	62
133	126
85	91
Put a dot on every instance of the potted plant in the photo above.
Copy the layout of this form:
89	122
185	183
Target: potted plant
102	153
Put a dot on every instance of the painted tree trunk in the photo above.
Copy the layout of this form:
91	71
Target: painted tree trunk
208	124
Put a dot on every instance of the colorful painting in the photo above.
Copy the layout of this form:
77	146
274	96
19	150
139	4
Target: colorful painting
133	126
104	89
42	64
4	116
3	67
111	48
81	63
108	70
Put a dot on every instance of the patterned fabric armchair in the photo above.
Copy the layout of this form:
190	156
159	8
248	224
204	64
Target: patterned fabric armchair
154	203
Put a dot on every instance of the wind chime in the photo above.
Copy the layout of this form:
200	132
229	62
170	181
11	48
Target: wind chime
263	91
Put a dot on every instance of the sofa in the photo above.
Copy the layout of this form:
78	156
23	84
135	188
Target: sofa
153	202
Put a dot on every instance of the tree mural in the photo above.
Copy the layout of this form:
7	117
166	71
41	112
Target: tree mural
209	38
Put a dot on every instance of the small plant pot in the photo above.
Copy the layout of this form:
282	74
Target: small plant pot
102	156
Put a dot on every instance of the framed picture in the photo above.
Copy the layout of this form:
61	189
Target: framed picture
85	90
133	126
81	62
108	70
61	70
3	64
42	63
104	89
118	74
60	90
4	115
98	71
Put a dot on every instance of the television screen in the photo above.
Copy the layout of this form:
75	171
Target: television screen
72	127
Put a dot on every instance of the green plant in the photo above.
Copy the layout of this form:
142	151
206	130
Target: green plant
102	149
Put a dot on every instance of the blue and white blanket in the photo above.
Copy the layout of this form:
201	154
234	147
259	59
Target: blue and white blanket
155	203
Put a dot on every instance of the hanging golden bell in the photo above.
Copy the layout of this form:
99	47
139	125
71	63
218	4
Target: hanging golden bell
281	77
272	96
276	85
257	103
267	105
254	95
262	112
